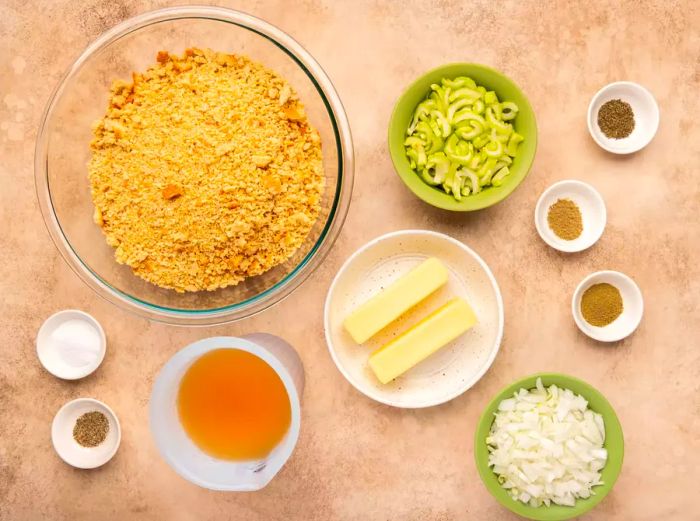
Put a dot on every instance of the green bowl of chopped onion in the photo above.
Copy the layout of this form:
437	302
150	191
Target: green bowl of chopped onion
462	137
569	450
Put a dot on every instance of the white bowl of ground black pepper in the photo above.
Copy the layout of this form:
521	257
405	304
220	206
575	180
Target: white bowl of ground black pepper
570	216
623	117
607	306
86	433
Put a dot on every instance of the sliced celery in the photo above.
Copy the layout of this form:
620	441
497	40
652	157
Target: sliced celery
480	141
493	121
490	98
497	180
454	107
461	81
457	186
466	115
475	162
462	159
451	143
473	179
427	177
456	83
465	92
497	111
414	142
513	142
508	110
422	158
412	157
461	138
451	171
443	124
494	149
468	133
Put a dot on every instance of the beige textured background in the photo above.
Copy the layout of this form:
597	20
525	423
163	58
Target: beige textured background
357	460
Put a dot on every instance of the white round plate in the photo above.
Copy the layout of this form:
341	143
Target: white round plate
51	360
632	301
454	368
646	116
70	450
593	214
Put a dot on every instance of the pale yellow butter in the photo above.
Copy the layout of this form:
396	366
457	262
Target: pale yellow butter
422	340
395	300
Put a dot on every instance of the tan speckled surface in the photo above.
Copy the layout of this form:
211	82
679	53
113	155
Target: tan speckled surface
357	460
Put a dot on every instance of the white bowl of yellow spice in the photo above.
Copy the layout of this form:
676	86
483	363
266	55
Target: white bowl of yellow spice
607	306
86	433
570	216
623	117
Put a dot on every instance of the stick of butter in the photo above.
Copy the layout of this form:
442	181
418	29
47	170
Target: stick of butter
392	302
422	340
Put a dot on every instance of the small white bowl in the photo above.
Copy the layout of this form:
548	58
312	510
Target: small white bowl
632	301
454	368
593	214
646	116
70	450
52	361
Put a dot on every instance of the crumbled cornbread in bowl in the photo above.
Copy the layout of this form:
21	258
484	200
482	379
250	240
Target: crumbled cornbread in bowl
205	171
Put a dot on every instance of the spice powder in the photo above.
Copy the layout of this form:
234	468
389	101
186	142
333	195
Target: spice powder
601	304
616	119
91	429
564	219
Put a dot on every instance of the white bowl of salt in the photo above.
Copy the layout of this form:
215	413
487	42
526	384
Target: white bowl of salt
71	344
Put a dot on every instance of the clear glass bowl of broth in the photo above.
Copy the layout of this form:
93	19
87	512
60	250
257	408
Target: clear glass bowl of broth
63	151
225	411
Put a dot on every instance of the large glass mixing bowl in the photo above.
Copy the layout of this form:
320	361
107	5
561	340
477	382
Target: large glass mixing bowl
62	154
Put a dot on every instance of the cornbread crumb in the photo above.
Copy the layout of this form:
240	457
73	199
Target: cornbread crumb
171	192
205	171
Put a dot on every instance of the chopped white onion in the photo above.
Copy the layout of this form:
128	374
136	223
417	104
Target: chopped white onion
546	446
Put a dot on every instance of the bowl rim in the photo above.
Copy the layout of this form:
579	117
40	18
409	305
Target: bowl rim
399	233
540	225
576	310
331	228
108	455
612	428
590	118
88	369
425	192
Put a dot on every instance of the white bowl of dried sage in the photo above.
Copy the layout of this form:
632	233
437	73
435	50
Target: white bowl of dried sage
623	117
86	433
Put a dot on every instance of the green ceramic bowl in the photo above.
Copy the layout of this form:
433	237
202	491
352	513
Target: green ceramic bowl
614	443
524	124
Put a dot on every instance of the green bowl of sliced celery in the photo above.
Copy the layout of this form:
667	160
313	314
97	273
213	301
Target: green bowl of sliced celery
462	137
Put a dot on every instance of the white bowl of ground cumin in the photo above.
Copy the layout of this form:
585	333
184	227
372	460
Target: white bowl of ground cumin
570	216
